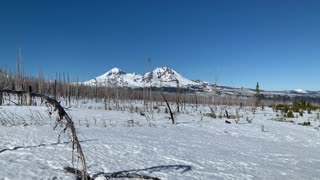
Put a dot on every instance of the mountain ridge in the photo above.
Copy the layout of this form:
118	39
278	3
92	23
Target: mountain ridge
169	78
159	77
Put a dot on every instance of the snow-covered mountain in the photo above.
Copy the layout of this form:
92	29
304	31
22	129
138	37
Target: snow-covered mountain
300	91
160	77
169	78
166	77
117	77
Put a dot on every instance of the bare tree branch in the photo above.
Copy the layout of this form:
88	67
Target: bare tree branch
61	114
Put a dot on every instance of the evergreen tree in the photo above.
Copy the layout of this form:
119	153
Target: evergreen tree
257	96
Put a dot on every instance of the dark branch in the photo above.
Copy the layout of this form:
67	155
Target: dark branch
61	114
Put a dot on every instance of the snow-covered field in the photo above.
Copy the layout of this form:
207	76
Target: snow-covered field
197	147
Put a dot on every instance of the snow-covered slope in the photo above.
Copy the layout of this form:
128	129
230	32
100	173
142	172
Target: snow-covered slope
195	148
117	77
160	77
167	77
300	91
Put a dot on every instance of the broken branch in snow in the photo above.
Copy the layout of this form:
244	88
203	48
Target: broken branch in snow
111	175
131	175
76	172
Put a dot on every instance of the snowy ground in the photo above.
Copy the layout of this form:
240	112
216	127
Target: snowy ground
191	149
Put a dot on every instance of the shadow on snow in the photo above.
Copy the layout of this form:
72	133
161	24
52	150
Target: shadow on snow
39	145
164	168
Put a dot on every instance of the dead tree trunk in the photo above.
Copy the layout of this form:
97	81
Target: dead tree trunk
61	114
30	96
227	114
55	89
195	95
171	114
178	97
1	98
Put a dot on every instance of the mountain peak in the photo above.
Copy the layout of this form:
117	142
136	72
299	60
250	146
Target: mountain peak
163	69
115	70
161	76
165	76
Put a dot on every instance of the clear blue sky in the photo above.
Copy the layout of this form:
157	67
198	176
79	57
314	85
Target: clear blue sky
274	42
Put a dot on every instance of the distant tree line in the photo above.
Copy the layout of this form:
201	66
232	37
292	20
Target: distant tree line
63	87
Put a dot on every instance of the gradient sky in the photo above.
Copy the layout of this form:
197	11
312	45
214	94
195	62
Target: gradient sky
236	42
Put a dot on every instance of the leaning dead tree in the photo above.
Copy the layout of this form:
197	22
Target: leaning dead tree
61	114
171	114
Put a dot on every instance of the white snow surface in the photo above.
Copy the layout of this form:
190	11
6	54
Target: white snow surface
300	91
197	147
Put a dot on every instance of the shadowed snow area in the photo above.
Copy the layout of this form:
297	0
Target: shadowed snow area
191	149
